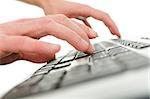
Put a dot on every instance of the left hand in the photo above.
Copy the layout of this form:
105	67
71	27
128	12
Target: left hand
75	10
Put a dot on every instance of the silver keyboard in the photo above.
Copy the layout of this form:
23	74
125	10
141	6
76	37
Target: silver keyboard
75	67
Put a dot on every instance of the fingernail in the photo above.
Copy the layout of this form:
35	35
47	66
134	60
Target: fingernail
118	34
57	47
54	47
91	49
95	34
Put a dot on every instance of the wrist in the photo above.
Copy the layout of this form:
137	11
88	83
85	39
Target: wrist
46	3
43	3
39	3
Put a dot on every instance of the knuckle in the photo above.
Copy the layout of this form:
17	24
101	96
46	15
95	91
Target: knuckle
45	23
47	20
62	17
80	47
86	29
22	42
106	15
2	40
87	6
85	49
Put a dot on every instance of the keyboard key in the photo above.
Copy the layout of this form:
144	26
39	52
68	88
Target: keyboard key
41	72
50	81
28	87
56	61
54	74
98	48
47	67
77	72
99	55
46	85
62	65
32	81
81	55
144	45
106	66
69	57
132	44
116	51
145	38
132	60
108	45
18	92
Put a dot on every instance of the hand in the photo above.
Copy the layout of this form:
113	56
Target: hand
75	10
19	39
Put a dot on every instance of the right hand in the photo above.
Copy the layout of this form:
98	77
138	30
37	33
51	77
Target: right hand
19	39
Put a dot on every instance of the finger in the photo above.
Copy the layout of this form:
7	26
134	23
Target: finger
4	54
91	33
68	23
9	59
87	23
24	27
37	58
20	44
87	11
107	21
84	20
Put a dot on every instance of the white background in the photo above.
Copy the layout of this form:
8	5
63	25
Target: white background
131	16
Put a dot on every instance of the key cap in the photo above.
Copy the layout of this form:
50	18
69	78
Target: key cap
18	92
100	55
106	66
98	48
146	38
56	61
24	89
77	72
144	45
116	51
69	57
42	71
47	83
50	81
81	55
62	65
132	60
31	81
132	44
47	67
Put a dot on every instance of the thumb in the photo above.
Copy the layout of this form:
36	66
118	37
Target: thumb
23	44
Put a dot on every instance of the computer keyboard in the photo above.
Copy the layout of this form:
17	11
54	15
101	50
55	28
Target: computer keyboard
132	44
107	59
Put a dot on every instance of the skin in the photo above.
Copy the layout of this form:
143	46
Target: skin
19	38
